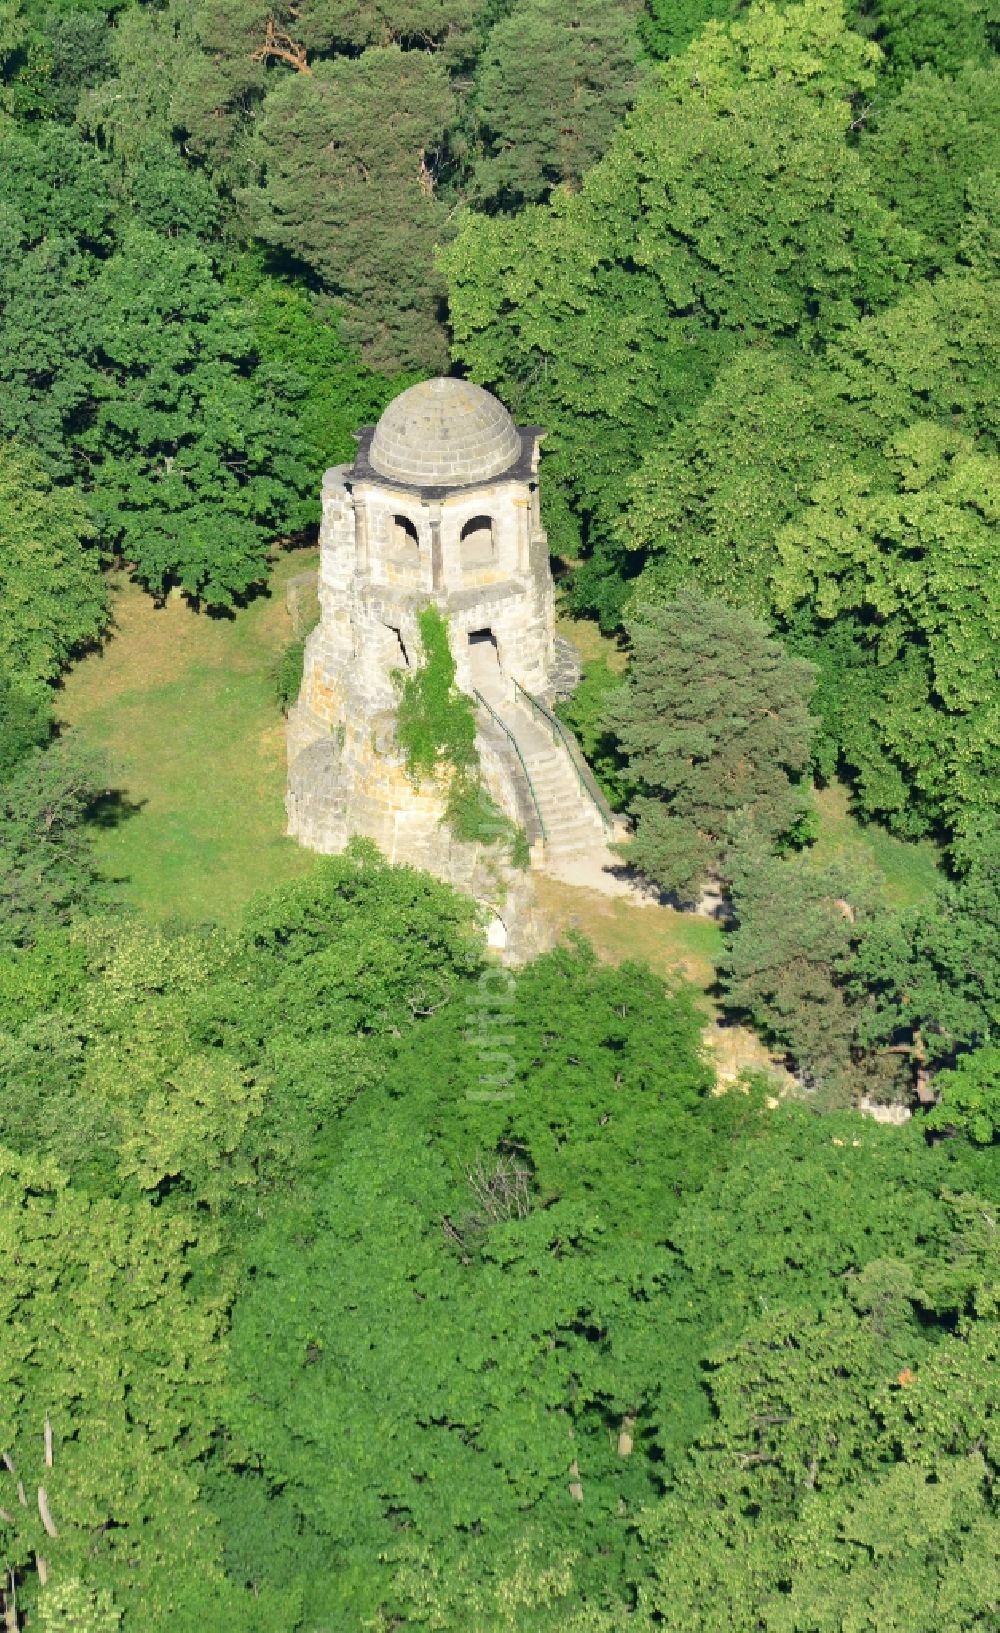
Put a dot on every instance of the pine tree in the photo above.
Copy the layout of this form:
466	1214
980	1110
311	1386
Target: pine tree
349	190
552	83
714	721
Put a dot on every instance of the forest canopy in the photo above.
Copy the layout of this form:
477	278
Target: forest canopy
749	334
302	1330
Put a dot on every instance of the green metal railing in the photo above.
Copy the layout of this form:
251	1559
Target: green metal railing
588	782
517	750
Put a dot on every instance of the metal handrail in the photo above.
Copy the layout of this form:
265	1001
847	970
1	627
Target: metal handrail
517	750
585	776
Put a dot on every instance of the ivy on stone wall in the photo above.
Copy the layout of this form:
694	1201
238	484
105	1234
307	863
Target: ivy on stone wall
436	724
436	728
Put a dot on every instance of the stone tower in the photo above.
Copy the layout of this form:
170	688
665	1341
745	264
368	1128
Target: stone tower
440	506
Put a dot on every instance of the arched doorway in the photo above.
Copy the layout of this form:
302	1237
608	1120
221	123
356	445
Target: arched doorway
484	659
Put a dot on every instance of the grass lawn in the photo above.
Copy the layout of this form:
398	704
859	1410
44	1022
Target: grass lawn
585	633
669	942
910	868
184	706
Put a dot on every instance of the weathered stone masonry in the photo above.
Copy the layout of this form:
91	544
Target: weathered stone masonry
441	505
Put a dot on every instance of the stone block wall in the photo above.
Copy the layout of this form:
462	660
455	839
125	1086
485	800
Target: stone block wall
346	772
355	781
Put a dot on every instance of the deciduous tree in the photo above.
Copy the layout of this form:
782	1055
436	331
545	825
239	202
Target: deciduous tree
53	600
968	1096
932	973
912	559
484	1354
943	37
926	146
25	723
194	472
107	1345
47	866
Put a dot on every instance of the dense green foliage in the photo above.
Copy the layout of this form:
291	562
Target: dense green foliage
118	1269
969	1097
842	1479
286	110
52	598
771	494
343	191
47	868
929	142
333	392
508	1282
329	1335
552	83
714	723
933	973
926	609
945	36
787	967
184	401
129	370
24	723
768	320
349	1279
868	1000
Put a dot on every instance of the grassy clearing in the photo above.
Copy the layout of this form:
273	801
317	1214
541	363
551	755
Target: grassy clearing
586	636
910	868
674	944
184	706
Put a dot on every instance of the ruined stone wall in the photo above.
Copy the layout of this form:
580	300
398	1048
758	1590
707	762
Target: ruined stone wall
355	781
347	774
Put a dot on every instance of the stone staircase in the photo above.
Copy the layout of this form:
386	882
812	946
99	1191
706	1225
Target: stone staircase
577	848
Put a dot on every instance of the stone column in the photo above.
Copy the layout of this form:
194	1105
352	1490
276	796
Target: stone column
437	557
362	525
522	513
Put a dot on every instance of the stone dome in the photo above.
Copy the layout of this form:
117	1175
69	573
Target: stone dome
444	433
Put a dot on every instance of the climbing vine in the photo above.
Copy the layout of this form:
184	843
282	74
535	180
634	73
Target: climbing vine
436	727
436	723
474	816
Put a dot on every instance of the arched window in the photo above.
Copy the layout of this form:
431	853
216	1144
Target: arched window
404	541
477	547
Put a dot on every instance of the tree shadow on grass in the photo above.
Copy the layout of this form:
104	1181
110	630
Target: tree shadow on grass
109	810
113	808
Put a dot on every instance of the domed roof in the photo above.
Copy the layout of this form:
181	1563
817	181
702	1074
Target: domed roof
444	433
